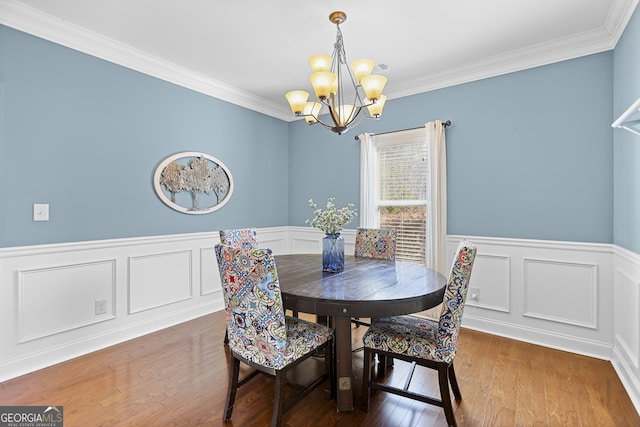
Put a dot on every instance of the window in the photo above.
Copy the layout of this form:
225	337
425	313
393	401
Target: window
399	182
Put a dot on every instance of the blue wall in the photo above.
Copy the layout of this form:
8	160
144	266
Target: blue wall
626	84
529	153
85	136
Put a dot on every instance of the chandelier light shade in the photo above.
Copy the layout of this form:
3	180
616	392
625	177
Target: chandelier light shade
346	95
375	110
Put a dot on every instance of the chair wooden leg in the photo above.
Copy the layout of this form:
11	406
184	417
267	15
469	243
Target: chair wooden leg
384	362
278	404
232	388
366	380
445	396
226	337
454	383
381	369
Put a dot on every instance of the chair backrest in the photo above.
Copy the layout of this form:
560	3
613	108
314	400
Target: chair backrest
253	304
454	298
246	238
379	243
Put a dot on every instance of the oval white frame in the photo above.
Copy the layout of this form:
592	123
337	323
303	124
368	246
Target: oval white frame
158	187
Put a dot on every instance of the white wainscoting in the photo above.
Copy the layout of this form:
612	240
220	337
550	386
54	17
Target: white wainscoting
564	295
495	271
626	342
159	279
555	294
43	298
48	295
573	288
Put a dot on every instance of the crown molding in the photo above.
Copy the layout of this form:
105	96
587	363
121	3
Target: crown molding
619	15
32	21
535	56
562	49
35	22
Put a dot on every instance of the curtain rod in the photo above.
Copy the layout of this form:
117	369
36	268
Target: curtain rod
445	124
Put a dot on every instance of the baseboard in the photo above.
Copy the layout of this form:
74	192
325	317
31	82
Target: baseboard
540	337
629	381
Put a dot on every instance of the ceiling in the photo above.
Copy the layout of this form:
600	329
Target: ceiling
250	52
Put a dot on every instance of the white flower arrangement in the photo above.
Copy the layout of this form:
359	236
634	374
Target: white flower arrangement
331	220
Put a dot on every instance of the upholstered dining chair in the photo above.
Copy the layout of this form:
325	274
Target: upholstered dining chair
246	238
423	342
378	243
260	335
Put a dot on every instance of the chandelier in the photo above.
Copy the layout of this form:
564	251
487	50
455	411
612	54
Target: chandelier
335	85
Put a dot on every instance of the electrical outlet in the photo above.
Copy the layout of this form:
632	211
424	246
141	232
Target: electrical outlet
474	294
101	306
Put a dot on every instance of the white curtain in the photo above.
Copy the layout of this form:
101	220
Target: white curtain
437	198
368	190
436	244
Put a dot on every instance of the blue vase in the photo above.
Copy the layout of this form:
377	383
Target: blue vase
333	253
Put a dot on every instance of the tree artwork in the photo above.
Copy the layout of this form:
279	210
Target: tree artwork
197	179
197	174
219	182
171	178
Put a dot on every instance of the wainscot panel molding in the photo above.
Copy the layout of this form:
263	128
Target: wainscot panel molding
41	289
626	344
61	301
159	279
555	294
494	269
578	297
567	282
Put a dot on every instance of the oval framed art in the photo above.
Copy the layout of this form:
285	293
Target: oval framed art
193	183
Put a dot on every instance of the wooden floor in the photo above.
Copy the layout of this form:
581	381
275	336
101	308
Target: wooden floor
178	377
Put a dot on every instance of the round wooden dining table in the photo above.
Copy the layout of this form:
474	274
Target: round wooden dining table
366	288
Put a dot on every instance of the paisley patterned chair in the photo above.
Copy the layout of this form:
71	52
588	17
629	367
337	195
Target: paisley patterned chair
246	238
260	335
424	342
378	243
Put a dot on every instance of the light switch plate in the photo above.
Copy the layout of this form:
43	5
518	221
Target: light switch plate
40	212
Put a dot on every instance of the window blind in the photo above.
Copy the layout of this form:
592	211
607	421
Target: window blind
401	188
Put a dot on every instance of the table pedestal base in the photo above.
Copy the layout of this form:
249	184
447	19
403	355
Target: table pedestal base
344	374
